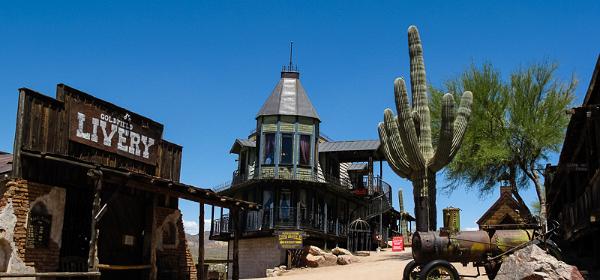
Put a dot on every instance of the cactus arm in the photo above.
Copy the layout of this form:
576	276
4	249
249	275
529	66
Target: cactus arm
442	153
394	141
460	124
419	90
393	159
406	126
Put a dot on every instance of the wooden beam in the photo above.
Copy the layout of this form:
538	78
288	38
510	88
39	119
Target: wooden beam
96	176
234	214
200	271
50	274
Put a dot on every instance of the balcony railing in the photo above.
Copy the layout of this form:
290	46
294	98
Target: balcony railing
375	187
283	218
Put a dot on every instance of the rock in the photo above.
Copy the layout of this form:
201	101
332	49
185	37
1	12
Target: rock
314	250
362	253
283	267
533	263
314	261
346	259
330	259
341	251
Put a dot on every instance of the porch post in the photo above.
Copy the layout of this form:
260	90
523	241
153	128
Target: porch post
234	214
298	215
96	176
212	220
200	270
325	215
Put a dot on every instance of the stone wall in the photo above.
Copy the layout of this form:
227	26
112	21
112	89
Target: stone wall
18	198
256	255
173	253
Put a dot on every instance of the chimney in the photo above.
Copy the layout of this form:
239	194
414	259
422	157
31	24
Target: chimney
505	190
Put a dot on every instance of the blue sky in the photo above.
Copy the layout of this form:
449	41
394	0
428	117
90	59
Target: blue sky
204	68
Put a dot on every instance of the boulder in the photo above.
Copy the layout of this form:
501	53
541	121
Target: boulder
330	259
346	259
314	261
314	250
340	251
533	263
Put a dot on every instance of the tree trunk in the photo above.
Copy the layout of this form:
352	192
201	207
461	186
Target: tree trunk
424	193
539	189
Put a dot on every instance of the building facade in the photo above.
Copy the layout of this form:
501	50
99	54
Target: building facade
93	189
304	182
573	185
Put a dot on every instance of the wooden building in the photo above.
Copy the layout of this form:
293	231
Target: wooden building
304	182
94	189
573	186
507	212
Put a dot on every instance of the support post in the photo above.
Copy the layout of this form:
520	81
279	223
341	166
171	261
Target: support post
298	215
234	214
325	217
200	270
212	220
96	176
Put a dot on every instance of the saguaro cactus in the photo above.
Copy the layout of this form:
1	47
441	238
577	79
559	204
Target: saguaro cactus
406	139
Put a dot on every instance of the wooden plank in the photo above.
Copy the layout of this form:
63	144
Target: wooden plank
200	270
124	267
50	274
234	215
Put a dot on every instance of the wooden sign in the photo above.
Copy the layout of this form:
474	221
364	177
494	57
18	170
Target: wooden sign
290	239
116	131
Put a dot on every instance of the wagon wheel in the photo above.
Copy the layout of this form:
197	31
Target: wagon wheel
439	269
411	271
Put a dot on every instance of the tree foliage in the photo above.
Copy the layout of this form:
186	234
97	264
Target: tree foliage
515	125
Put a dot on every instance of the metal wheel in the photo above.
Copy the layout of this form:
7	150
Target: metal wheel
411	271
438	270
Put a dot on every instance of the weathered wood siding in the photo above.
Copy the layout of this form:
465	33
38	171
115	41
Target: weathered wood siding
43	127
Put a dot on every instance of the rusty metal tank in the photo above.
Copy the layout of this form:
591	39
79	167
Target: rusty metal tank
465	246
451	219
504	240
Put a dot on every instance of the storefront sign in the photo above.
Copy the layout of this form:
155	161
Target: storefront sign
290	239
398	244
117	132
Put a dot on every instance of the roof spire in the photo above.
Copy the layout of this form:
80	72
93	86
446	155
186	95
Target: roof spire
291	53
291	70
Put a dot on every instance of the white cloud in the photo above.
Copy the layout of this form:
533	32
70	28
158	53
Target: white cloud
470	229
191	227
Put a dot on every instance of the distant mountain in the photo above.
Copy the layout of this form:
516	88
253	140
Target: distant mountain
213	250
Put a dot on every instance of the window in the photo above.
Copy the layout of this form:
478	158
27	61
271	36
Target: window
269	149
287	148
38	230
304	150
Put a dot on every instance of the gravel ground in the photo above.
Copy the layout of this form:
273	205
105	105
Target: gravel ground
383	265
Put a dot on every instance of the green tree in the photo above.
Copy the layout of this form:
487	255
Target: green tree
516	124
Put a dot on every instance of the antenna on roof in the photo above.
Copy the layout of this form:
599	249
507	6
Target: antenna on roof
291	53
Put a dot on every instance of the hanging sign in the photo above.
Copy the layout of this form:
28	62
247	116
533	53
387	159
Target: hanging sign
398	244
290	239
118	132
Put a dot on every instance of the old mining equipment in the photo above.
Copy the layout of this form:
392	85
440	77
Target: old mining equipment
433	251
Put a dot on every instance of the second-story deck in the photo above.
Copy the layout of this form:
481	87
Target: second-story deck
315	219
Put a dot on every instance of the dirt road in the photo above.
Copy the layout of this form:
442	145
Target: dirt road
382	265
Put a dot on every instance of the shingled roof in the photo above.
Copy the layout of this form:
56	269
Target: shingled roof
288	98
5	162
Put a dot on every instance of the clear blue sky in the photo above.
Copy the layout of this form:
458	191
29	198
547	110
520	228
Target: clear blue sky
203	69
